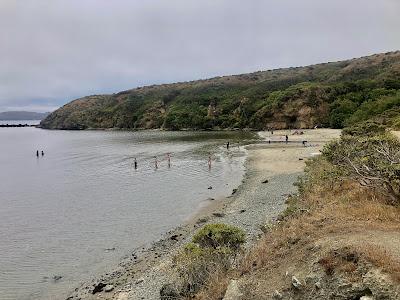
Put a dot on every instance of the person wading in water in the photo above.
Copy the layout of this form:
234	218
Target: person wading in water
37	153
169	159
135	164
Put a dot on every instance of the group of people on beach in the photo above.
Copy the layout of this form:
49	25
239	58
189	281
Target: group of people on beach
37	153
296	132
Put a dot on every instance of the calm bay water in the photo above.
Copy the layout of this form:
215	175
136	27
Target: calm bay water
60	212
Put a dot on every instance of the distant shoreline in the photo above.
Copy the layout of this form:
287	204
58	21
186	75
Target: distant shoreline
17	125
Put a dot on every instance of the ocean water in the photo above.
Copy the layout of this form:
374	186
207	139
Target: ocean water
59	213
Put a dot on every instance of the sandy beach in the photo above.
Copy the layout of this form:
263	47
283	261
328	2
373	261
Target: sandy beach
272	167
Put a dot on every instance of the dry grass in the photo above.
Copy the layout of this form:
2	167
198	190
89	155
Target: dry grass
327	212
344	209
342	260
381	258
347	259
215	287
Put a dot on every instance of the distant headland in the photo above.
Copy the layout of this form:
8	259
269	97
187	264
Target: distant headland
22	115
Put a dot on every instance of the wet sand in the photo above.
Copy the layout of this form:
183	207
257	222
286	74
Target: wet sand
252	205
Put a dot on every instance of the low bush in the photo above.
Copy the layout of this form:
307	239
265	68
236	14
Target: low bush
319	171
212	251
195	265
374	107
219	236
368	128
372	160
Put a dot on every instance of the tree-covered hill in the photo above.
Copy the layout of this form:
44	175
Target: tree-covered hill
329	94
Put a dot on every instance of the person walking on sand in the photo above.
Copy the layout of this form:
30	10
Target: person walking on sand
135	164
155	162
37	153
209	161
287	138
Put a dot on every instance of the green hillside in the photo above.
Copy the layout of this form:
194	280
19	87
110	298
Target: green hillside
330	95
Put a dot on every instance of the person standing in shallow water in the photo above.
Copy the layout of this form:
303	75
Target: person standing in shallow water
135	164
37	153
169	159
42	153
227	146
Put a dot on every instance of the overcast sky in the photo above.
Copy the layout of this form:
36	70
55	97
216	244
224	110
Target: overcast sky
53	51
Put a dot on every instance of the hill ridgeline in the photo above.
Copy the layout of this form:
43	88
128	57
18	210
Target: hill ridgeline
332	94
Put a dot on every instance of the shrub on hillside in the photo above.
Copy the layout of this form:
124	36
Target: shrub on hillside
219	236
374	107
195	265
212	251
318	172
372	160
367	128
389	118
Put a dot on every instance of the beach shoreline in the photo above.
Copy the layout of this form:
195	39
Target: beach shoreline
271	171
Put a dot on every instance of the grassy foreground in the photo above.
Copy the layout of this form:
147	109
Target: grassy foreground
339	237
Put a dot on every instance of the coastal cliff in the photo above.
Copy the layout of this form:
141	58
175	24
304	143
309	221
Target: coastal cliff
331	94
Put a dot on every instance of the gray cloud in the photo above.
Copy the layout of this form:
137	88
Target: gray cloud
53	51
